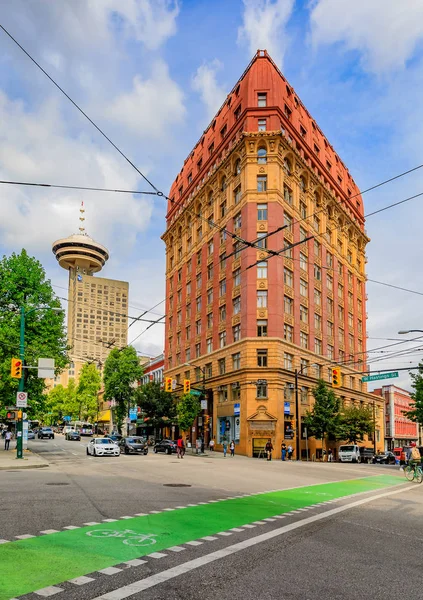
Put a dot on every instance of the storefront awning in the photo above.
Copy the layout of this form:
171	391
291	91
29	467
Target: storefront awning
104	416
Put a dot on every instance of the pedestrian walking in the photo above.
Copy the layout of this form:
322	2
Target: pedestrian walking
180	447
225	448
283	451
330	455
269	448
232	448
202	445
290	452
211	445
7	439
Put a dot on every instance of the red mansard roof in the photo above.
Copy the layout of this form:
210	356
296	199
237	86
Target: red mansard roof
240	112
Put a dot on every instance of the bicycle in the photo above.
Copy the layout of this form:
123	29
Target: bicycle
134	539
412	472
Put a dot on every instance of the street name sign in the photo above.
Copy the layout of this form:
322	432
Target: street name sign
46	368
380	376
21	399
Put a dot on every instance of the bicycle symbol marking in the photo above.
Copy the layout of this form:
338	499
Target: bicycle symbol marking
131	538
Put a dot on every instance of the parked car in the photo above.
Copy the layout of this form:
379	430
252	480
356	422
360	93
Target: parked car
103	447
167	446
31	434
73	435
133	445
46	432
384	458
115	437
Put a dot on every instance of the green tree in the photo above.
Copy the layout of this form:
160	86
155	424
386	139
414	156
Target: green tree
89	385
23	283
416	407
121	372
156	404
355	422
60	402
189	407
324	418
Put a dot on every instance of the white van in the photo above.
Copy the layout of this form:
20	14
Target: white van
349	453
68	429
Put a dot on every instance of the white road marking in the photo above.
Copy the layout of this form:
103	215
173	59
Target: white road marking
237	529
194	543
155	512
168	509
176	549
225	533
279	516
81	580
71	527
140	514
4	541
203	503
127	517
135	562
48	531
269	519
25	536
92	523
75	453
157	555
48	591
180	506
110	520
259	523
248	526
209	538
109	571
191	505
148	582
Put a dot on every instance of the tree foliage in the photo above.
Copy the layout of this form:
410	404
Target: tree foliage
60	402
23	283
189	407
156	404
121	371
86	394
416	407
355	422
324	418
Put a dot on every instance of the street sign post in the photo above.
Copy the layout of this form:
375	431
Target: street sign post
21	399
390	375
46	368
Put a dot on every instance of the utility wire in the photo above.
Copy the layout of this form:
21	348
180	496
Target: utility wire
158	192
396	287
112	312
75	187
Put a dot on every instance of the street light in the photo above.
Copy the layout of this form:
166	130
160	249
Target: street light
297	408
23	315
204	411
405	331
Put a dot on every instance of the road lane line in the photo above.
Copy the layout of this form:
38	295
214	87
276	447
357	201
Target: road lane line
81	580
71	527
110	571
153	580
49	531
51	590
4	541
25	536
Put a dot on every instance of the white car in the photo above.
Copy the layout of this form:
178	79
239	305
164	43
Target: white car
103	447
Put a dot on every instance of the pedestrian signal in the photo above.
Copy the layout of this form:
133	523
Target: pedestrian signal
336	377
16	368
11	416
168	384
187	386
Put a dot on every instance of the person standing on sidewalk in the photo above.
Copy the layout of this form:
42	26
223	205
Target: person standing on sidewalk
7	439
225	448
290	452
232	448
211	445
269	448
283	451
180	447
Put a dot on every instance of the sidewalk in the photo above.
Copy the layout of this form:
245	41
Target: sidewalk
9	462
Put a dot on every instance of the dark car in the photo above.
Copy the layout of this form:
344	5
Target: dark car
115	437
73	436
384	458
46	432
167	446
133	445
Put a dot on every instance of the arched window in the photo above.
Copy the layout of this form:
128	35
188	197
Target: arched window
262	156
287	166
303	185
237	169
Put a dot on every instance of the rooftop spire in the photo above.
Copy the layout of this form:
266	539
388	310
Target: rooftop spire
82	219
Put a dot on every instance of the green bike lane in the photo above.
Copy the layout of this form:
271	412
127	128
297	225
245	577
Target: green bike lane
32	564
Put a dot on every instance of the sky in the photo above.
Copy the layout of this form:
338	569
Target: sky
151	74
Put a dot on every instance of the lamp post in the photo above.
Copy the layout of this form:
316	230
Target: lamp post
405	331
23	315
204	411
297	410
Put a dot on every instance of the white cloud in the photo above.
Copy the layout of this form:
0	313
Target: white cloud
205	83
385	32
152	106
263	26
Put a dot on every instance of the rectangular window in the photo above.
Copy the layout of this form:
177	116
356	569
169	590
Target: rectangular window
287	221
197	350
261	212
237	194
209	320
262	328
316	223
287	194
210	296
303	131
262	239
223	131
222	313
318	346
349	256
288	361
198	327
209	345
262	99
209	272
222	236
329	282
262	390
329	259
188	288
236	361
209	370
237	112
329	304
262	357
238	246
236	303
237	221
303	314
303	340
317	248
223	393
331	352
288	305
317	297
350	320
303	234
210	248
317	322
288	277
262	270
198	282
330	328
288	332
287	111
261	298
303	210
198	304
303	287
340	291
222	339
221	363
237	277
222	261
236	332
262	124
261	183
222	287
341	335
223	209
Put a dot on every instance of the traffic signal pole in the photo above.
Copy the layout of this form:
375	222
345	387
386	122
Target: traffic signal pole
19	423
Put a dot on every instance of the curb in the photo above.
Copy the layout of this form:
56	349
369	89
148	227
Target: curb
14	467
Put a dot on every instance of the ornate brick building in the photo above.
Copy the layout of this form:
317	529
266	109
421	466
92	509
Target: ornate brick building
257	329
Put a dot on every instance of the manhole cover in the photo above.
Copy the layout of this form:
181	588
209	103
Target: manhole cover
57	483
177	485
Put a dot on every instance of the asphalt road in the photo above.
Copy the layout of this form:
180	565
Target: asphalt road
368	551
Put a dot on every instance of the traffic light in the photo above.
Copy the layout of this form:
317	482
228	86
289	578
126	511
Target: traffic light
187	386
206	420
11	416
336	377
168	384
16	368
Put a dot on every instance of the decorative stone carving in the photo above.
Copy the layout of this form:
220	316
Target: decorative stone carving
262	170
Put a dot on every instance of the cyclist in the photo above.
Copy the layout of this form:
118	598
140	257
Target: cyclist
414	458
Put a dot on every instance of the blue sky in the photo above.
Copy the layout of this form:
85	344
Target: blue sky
153	72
